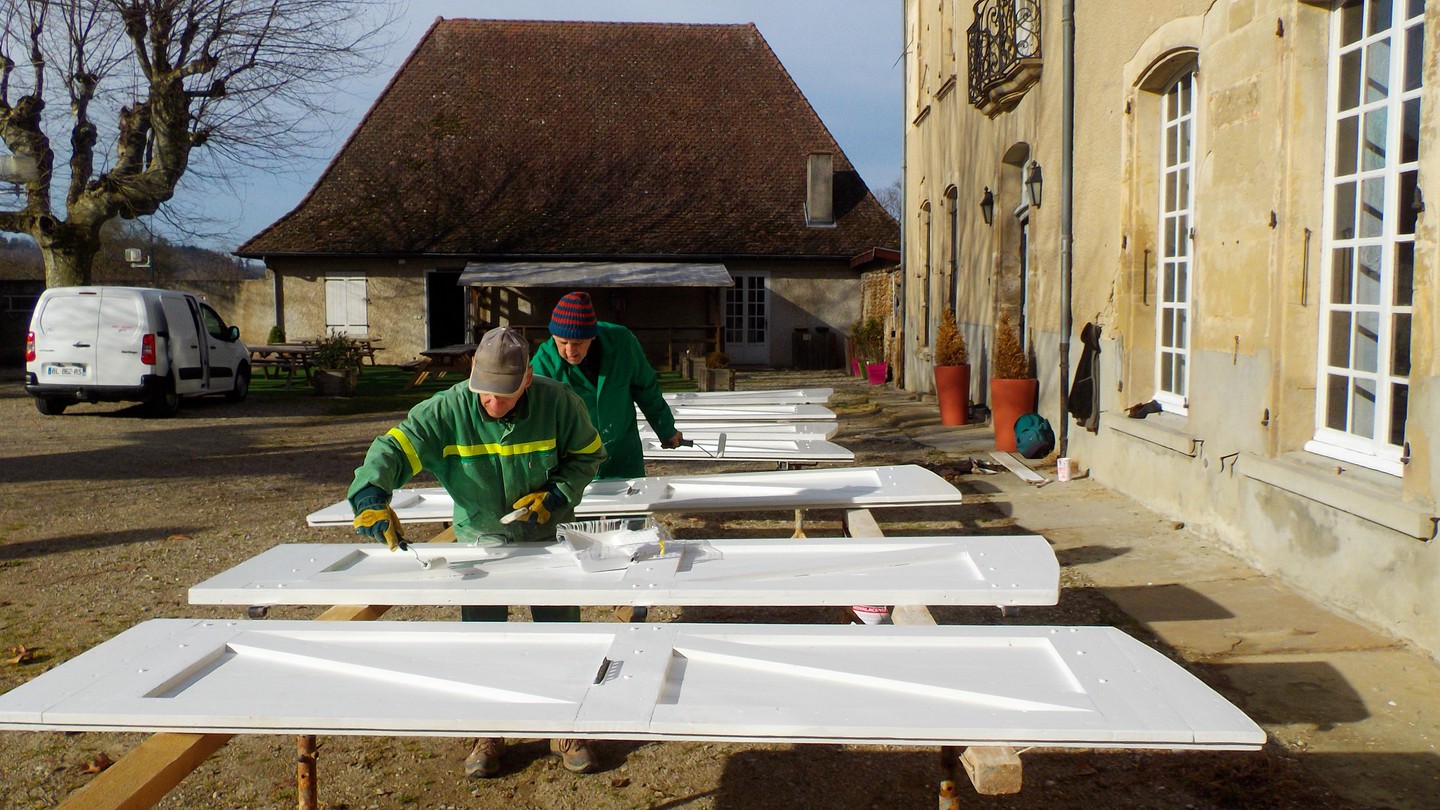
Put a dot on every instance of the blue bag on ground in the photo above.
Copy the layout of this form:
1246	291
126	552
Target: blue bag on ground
1033	436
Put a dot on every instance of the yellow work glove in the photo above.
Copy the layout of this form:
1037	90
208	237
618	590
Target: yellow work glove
375	519
541	504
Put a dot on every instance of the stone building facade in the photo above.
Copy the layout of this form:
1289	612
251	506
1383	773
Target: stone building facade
1232	193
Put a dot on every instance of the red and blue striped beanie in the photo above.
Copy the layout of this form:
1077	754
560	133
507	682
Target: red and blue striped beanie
574	317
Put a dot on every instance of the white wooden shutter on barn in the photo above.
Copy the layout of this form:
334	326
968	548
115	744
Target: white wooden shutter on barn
1004	571
841	488
948	685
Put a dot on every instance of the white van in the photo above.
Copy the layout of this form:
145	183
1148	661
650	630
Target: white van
130	344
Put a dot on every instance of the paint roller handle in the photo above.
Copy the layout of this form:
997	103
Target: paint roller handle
678	440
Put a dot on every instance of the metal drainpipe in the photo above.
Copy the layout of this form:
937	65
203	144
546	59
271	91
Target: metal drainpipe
904	184
1067	173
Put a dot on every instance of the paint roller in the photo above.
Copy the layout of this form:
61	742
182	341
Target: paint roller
719	446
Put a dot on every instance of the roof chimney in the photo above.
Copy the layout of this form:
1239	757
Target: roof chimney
820	190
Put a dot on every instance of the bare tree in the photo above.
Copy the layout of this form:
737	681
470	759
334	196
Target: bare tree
175	86
892	199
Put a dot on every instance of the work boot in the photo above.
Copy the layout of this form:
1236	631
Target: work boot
484	759
575	755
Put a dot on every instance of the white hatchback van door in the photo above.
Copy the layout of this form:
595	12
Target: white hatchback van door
187	351
66	332
122	328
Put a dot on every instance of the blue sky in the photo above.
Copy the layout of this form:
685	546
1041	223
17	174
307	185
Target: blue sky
843	54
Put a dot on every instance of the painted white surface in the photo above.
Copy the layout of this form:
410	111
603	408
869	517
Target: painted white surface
1018	570
765	430
686	412
788	396
843	488
747	448
952	685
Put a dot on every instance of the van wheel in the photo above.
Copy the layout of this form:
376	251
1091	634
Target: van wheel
164	404
52	406
242	384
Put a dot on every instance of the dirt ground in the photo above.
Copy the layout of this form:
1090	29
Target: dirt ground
107	518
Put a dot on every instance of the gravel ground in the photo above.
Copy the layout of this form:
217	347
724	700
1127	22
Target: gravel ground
107	518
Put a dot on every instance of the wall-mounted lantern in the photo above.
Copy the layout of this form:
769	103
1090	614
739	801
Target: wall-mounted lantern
1033	184
987	206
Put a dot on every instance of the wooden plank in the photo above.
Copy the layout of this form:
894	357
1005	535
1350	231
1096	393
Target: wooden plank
142	777
993	770
1013	464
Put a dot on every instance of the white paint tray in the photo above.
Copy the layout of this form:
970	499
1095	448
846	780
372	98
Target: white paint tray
605	545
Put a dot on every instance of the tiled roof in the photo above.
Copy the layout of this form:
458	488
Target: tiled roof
582	139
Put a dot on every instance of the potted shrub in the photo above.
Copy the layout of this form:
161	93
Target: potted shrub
718	376
1013	389
952	371
335	366
869	337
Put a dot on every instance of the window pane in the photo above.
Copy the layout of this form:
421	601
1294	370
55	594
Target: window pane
1346	136
1342	268
1350	20
1362	409
1337	393
1367	342
1183	156
1171	180
1407	205
1404	273
1379	17
1340	339
1414	8
1184	187
1167	327
1182	282
1372	155
1399	405
1410	132
1377	70
1349	82
1179	388
1181	316
1345	210
1167	371
1372	206
1400	346
1170	239
1367	275
1414	54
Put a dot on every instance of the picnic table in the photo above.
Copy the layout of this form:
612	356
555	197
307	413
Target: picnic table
287	357
443	360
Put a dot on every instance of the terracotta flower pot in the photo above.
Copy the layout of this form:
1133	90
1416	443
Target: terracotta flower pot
1010	400
952	389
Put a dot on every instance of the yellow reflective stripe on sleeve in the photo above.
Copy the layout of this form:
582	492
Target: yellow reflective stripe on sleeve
467	450
592	446
409	449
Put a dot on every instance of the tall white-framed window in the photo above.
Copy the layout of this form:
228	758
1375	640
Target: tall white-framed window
1371	201
345	305
1176	259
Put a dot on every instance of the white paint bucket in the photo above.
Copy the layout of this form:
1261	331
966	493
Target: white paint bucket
1062	468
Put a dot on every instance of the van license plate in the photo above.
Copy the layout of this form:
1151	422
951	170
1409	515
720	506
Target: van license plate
65	370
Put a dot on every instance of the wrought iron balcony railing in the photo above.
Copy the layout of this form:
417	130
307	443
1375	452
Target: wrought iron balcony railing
1004	52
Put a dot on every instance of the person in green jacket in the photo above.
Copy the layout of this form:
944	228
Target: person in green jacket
605	365
503	441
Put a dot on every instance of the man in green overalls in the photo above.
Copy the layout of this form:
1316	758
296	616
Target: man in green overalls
502	441
604	364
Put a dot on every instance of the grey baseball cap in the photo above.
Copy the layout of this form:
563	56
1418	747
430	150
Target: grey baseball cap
500	363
